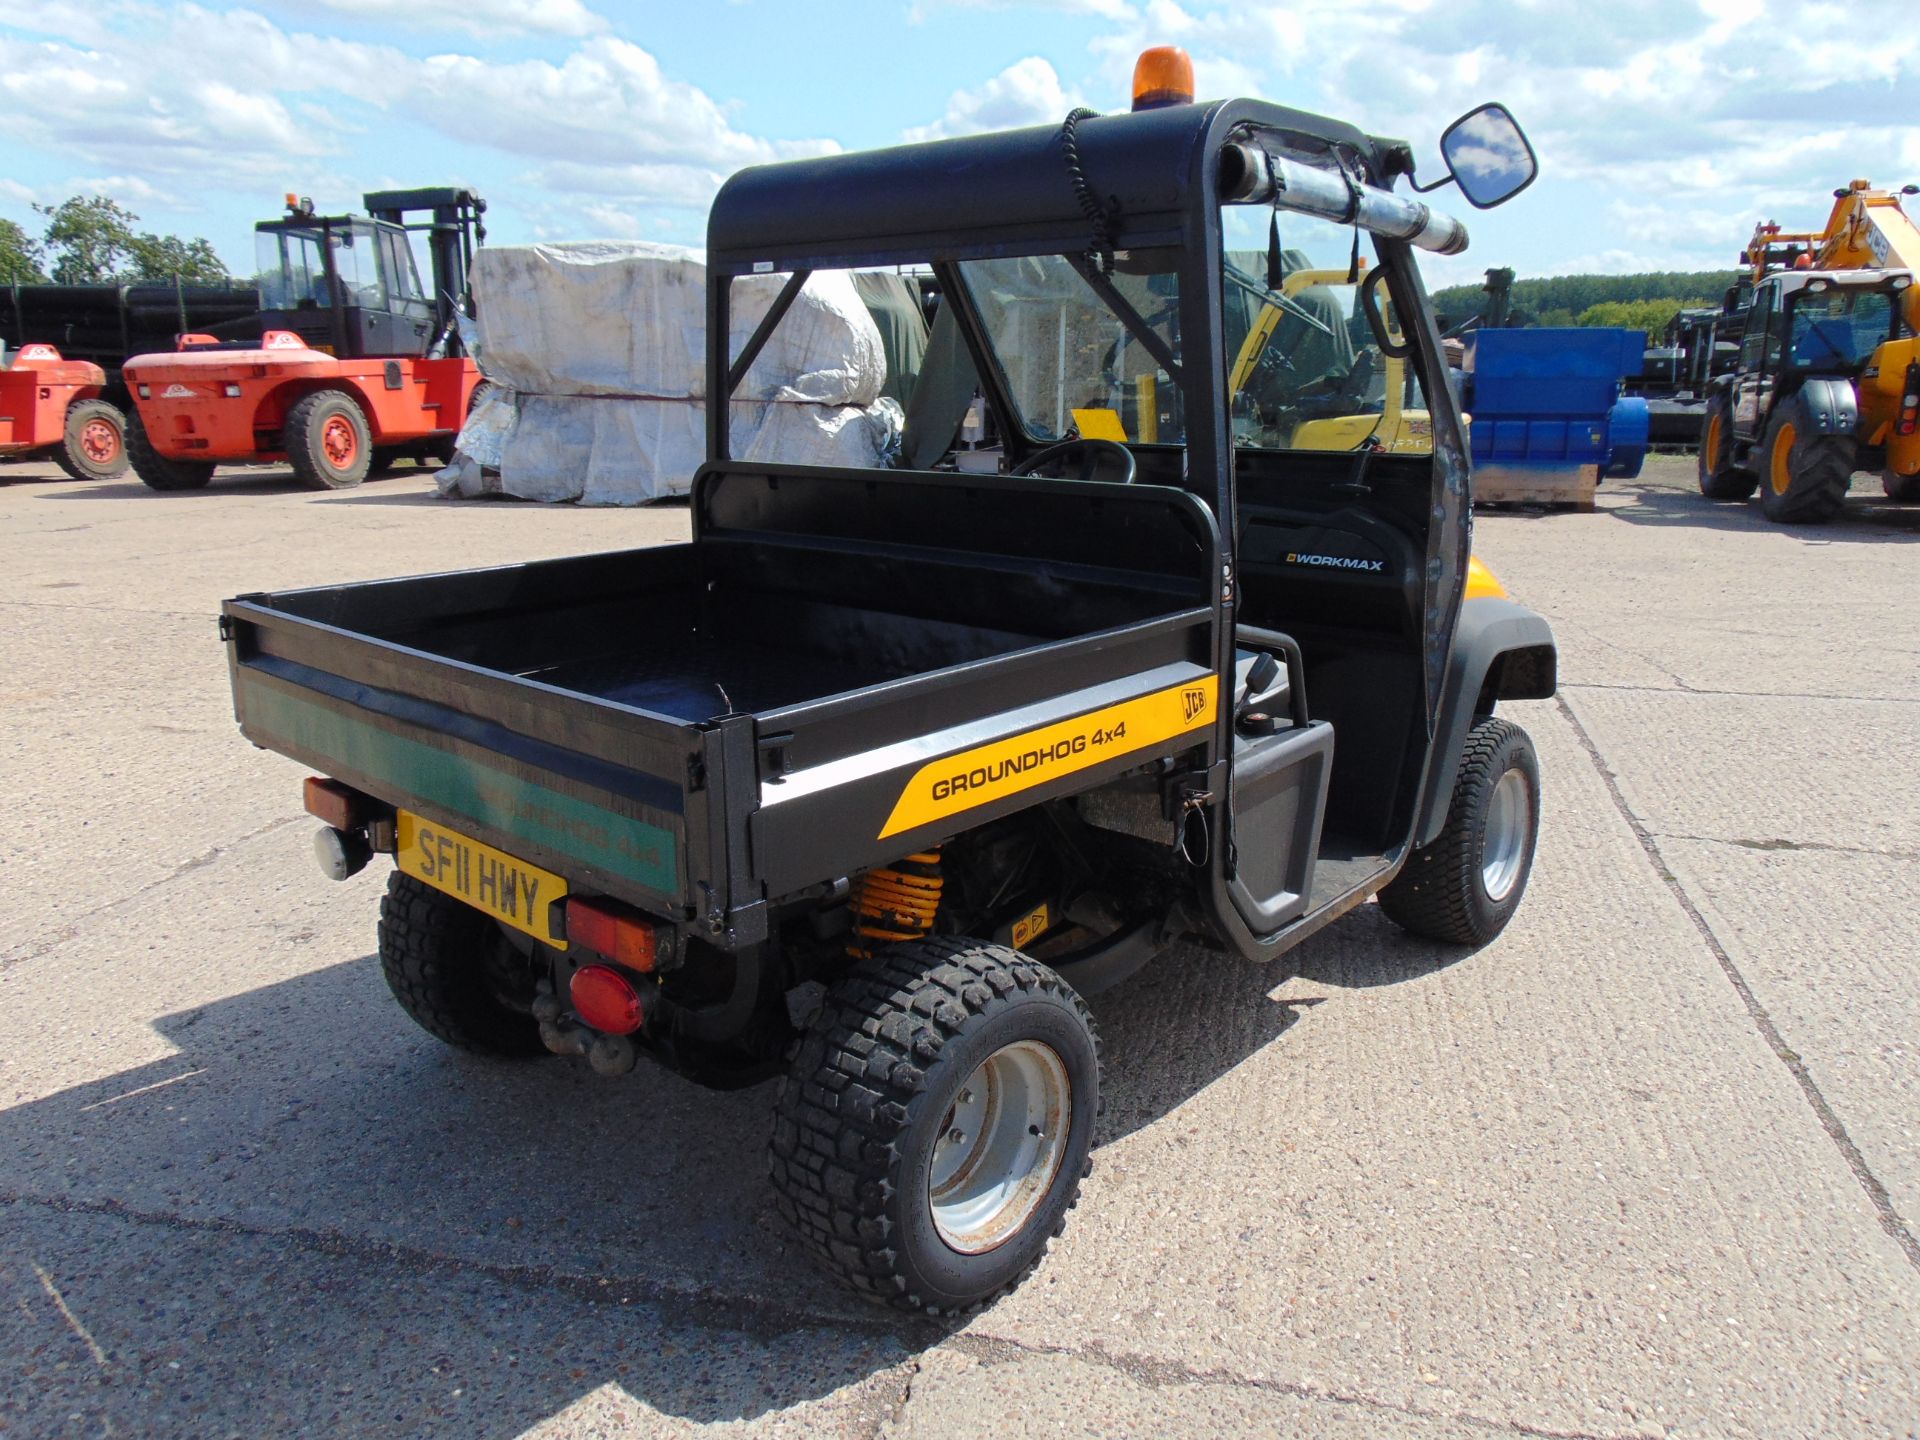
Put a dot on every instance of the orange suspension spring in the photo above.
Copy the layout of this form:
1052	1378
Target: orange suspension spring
896	902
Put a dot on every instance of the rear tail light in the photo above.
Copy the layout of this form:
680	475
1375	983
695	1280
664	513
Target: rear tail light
1910	402
606	1000
608	928
332	803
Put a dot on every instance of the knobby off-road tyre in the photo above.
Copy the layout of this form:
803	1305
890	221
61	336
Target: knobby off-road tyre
925	1042
157	471
450	968
328	441
1720	478
1803	474
1901	489
94	445
1464	887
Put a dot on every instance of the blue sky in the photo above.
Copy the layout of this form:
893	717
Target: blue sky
1665	129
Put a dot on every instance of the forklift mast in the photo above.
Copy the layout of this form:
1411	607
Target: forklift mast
454	229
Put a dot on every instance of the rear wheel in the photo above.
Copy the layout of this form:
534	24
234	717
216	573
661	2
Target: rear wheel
1719	478
94	446
455	972
1804	473
934	1129
1902	489
328	441
1464	887
162	472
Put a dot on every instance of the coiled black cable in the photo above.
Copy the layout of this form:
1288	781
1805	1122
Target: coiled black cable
1100	251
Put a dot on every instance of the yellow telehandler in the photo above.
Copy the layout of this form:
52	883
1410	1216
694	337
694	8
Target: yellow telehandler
1828	380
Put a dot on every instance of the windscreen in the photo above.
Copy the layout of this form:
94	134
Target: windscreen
1838	328
1305	368
290	271
292	274
1084	356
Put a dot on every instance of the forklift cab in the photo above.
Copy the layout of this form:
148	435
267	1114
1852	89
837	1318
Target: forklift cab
349	285
344	279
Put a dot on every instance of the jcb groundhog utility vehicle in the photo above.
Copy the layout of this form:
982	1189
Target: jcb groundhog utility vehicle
1828	380
357	366
52	407
873	780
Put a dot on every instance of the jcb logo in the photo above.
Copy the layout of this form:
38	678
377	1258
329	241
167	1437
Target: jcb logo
1192	702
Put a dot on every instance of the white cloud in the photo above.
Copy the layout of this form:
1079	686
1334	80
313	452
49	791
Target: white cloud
1117	11
192	98
609	103
1027	92
486	18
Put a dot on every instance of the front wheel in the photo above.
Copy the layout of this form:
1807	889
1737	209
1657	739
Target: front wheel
1719	477
328	441
1804	472
94	445
935	1126
1464	887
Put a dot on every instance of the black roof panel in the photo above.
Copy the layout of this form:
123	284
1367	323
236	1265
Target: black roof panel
921	198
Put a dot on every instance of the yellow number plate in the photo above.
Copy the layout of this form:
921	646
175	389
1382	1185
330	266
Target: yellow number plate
511	891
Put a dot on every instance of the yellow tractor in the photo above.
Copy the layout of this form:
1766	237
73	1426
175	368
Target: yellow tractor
1336	401
1828	380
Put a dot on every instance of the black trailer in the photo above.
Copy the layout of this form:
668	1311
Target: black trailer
106	324
875	778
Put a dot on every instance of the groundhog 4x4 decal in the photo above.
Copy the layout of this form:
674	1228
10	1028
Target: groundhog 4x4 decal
988	772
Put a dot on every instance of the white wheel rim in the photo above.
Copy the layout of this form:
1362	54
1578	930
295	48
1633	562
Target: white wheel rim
1509	835
1000	1146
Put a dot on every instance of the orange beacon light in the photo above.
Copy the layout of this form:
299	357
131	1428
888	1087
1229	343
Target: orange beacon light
1162	76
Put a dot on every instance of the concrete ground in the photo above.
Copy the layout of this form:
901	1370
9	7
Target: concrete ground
1647	1165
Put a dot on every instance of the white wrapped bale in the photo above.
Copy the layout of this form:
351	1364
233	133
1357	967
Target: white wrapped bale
599	350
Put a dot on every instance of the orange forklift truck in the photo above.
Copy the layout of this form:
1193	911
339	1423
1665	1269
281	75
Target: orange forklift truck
51	408
357	366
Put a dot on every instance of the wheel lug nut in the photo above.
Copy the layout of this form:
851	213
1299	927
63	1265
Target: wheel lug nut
955	1136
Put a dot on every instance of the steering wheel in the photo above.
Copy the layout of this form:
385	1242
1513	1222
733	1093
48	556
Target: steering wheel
1091	454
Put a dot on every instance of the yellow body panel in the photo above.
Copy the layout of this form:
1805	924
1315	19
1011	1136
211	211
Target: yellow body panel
1482	583
1880	396
943	788
509	889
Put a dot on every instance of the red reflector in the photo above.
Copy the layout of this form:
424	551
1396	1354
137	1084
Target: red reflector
606	928
332	803
606	1000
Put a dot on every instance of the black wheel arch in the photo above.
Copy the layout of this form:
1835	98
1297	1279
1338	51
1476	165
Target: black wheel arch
1501	651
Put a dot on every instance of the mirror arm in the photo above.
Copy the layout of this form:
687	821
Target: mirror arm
1445	180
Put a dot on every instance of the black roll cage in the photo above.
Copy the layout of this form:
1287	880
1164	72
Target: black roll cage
1009	195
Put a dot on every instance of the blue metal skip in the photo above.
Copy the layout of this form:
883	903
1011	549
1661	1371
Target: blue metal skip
1550	399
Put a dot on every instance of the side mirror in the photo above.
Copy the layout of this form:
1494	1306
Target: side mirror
1489	157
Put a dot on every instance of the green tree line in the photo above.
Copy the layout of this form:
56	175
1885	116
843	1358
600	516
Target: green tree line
1635	302
91	240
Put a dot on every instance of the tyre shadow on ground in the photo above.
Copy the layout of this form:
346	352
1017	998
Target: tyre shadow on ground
306	1138
266	480
539	1231
1868	519
1195	1014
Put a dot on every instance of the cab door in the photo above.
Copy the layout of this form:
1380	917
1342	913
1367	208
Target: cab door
1753	383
